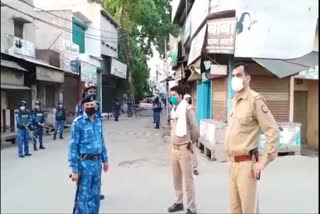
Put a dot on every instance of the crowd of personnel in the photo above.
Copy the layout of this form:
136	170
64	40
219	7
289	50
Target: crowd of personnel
88	153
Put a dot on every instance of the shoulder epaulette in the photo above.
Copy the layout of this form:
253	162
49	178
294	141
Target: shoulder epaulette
77	118
255	95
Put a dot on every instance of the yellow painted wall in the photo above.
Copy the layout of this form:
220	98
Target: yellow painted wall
312	86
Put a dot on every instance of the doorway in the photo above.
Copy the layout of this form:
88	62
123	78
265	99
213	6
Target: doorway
301	113
204	100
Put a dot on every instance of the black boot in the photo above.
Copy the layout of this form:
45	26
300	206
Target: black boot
35	147
190	212
61	137
28	154
42	147
175	207
54	137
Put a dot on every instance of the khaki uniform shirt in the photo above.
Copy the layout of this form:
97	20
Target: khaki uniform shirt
249	116
192	130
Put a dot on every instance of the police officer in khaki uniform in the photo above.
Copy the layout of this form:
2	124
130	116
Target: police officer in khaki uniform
188	98
184	131
250	115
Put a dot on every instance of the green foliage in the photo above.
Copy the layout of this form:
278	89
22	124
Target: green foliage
143	22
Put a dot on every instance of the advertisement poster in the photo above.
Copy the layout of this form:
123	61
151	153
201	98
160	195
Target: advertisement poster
88	72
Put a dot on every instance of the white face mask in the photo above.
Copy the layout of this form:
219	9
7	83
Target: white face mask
237	84
60	106
22	108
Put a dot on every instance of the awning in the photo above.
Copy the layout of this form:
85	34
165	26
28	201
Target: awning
178	72
197	45
284	68
169	78
12	64
15	87
195	69
35	62
49	74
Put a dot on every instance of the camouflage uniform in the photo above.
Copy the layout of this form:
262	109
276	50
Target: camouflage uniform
87	138
38	117
60	119
23	118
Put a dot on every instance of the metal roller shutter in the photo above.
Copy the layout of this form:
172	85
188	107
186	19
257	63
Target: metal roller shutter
219	99
276	93
70	94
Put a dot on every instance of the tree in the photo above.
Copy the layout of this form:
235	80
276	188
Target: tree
143	22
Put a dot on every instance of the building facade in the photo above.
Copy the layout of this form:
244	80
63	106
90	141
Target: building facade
214	35
96	33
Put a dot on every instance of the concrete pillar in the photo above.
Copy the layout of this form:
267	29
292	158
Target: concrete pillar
34	94
58	94
291	99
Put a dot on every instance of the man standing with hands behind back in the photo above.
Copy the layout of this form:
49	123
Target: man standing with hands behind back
250	115
184	131
87	153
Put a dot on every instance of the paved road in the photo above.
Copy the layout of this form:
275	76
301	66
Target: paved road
139	180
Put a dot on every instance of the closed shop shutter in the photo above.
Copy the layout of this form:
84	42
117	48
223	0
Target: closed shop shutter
219	99
276	93
70	96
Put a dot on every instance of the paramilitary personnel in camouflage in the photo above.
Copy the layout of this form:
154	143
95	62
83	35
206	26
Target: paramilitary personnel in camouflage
87	153
23	120
38	118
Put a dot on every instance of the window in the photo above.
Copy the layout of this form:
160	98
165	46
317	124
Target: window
18	29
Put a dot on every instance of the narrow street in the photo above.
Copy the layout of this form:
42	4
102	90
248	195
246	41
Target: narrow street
139	179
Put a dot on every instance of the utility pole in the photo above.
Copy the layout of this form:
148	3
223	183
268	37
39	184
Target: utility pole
167	83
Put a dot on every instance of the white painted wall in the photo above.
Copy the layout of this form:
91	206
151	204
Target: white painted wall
109	38
93	43
47	34
7	26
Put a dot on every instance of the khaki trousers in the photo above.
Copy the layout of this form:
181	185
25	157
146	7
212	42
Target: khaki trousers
181	162
194	158
243	188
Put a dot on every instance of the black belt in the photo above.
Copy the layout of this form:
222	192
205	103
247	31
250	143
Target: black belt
89	157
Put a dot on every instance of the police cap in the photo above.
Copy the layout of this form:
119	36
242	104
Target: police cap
88	98
23	103
89	85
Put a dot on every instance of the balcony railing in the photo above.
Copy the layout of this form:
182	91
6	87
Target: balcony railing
17	46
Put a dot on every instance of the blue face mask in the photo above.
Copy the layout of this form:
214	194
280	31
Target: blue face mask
174	100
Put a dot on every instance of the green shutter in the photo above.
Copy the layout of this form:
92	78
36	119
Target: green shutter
78	34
